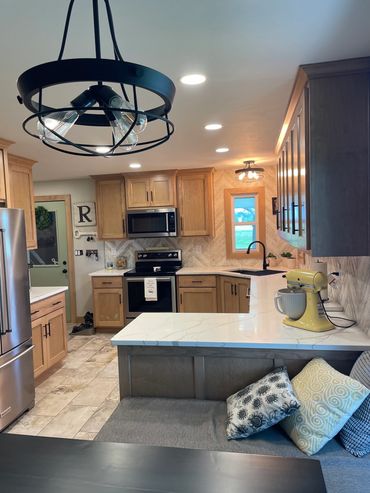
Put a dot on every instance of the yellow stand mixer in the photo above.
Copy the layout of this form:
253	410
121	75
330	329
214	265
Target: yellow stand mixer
314	317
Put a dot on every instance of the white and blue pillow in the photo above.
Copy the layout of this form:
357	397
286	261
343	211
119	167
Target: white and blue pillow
260	405
355	435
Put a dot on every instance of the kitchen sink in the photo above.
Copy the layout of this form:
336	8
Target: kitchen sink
257	272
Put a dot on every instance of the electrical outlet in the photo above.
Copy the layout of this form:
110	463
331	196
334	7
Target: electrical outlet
78	253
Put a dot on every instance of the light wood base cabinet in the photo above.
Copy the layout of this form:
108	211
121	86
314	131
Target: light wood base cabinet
108	302
49	333
234	294
198	300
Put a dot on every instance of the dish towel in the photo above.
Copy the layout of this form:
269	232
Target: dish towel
150	289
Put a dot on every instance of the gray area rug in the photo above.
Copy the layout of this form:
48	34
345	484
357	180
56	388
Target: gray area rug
200	424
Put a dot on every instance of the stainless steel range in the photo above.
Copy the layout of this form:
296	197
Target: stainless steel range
151	286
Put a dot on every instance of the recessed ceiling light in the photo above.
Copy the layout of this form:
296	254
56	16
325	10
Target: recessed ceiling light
222	149
102	149
135	165
193	79
213	126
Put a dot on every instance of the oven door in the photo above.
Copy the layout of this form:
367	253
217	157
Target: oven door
136	302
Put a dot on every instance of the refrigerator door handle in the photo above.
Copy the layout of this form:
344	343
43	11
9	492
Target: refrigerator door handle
3	289
16	357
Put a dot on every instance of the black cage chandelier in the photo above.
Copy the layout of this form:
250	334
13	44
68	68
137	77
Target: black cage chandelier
99	105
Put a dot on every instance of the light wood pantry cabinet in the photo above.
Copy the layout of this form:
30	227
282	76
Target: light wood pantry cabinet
196	202
4	171
234	294
110	207
49	332
108	302
197	294
323	164
150	189
20	194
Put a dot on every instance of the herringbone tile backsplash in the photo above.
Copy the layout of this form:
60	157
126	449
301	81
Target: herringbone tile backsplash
205	251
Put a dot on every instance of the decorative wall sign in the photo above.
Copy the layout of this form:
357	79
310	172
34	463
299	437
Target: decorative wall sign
84	214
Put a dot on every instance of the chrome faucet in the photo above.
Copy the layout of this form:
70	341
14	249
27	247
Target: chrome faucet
265	263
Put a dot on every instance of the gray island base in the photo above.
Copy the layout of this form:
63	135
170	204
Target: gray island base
211	356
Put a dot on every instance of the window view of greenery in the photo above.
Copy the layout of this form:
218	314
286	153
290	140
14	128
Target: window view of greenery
244	221
47	251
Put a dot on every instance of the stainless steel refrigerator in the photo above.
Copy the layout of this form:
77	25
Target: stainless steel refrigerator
17	388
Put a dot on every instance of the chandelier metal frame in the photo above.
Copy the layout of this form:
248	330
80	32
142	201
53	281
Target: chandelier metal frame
33	83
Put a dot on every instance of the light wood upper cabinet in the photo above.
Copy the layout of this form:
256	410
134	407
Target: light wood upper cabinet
196	202
150	190
21	194
110	205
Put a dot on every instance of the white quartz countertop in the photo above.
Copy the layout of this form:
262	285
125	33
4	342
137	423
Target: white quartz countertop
261	328
107	273
41	293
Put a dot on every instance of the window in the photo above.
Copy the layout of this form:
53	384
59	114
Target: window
245	221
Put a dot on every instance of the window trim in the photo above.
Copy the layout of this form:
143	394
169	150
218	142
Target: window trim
229	194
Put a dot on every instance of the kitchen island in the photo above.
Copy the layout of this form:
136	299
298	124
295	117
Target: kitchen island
211	355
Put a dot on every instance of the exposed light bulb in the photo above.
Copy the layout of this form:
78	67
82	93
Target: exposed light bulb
62	121
241	175
250	175
102	149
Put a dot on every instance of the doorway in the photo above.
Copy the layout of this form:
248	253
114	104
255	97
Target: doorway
53	260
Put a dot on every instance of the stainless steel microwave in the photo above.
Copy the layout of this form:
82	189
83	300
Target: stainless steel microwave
151	223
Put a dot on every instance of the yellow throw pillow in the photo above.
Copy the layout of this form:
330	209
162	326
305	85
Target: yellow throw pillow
328	399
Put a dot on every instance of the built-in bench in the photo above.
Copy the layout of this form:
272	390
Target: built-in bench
200	424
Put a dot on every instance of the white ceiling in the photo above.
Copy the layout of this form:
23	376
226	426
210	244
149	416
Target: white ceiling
248	49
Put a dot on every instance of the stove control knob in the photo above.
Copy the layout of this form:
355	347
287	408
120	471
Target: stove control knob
169	255
175	255
144	255
139	255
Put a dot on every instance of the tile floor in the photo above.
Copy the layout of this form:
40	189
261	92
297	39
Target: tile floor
77	399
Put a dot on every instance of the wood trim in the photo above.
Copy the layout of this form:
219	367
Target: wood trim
149	174
191	171
71	261
228	193
20	160
4	144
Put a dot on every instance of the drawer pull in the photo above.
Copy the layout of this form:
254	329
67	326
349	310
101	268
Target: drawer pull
196	281
57	303
34	313
107	282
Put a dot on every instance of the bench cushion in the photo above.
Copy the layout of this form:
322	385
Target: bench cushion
200	424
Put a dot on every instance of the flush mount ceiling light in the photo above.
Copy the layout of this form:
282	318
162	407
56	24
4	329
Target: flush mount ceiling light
222	149
193	79
118	112
213	126
249	172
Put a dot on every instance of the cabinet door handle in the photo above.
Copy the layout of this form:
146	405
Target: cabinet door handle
151	195
248	295
46	331
236	289
232	289
277	219
180	298
34	313
181	224
123	225
147	196
49	329
283	213
120	299
294	229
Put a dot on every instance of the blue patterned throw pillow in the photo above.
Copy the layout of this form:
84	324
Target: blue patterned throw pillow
355	434
260	405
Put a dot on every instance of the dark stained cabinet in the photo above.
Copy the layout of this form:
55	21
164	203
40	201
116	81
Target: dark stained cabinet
323	160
